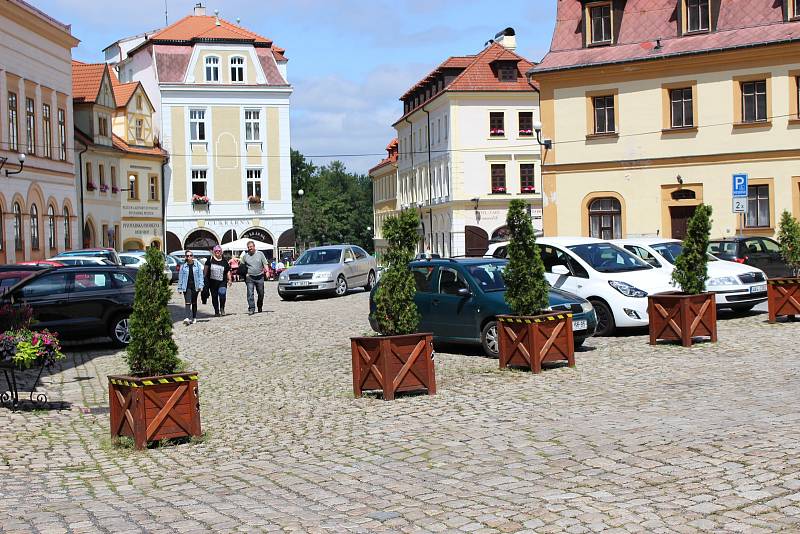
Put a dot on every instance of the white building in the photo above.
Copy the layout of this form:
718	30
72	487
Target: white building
467	148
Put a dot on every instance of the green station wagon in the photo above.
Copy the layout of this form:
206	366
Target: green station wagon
459	301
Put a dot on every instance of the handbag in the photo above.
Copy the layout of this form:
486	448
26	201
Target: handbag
242	269
205	293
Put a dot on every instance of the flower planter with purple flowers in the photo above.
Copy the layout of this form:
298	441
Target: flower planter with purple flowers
526	132
528	189
24	349
497	132
103	188
498	190
90	186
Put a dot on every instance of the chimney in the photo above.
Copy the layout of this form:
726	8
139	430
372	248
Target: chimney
199	10
507	38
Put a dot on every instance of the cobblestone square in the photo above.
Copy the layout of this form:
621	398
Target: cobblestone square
634	439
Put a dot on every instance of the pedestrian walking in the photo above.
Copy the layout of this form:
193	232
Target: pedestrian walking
257	265
190	284
218	274
234	264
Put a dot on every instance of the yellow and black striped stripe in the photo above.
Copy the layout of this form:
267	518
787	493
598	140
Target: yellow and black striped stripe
529	320
154	382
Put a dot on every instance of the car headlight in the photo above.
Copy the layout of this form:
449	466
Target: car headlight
627	289
723	281
283	277
322	276
586	307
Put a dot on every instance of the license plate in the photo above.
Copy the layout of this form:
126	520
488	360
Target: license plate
761	288
579	325
304	283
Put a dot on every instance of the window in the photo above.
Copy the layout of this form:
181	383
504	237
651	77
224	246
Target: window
681	108
605	218
62	135
114	186
102	126
237	69
525	123
51	284
252	121
153	187
507	73
423	278
34	227
13	139
497	124
139	102
89	182
197	124
796	9
47	132
498	178
604	114
51	227
17	226
697	15
253	183
212	68
2	229
450	282
122	279
133	186
139	129
645	255
360	253
30	126
754	101
104	231
91	282
757	215
199	183
600	20
101	175
526	178
67	233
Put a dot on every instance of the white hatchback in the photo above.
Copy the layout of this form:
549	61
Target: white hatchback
735	286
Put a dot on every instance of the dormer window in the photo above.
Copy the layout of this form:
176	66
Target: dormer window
697	16
237	69
212	68
507	73
600	23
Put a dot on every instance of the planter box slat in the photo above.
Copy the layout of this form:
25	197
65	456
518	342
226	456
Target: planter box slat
530	341
393	364
783	297
679	317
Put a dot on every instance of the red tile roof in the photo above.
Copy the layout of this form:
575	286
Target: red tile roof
741	23
120	144
86	80
391	148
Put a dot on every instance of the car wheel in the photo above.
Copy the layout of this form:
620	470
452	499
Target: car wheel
284	296
490	340
341	287
119	331
578	343
742	308
605	318
370	281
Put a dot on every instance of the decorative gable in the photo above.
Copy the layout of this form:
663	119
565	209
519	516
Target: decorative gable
105	97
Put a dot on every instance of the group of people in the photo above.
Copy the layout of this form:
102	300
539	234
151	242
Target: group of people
217	275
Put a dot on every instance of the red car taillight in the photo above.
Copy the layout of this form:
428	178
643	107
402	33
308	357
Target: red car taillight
740	260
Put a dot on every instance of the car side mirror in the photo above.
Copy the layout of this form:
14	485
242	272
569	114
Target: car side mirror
560	270
464	292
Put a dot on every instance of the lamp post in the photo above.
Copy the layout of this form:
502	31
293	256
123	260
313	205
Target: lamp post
547	144
20	157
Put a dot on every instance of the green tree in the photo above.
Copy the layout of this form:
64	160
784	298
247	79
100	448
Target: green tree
152	351
527	292
789	238
395	310
691	271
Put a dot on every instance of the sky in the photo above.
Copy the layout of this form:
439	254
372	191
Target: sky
349	60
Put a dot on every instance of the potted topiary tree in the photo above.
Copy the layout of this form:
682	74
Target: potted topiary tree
400	359
692	312
154	401
532	335
783	294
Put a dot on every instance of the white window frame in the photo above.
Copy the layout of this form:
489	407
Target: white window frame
252	125
139	129
194	133
192	180
211	66
250	177
241	67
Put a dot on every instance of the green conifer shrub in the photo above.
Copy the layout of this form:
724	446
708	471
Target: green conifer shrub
527	292
152	351
789	238
395	310
691	271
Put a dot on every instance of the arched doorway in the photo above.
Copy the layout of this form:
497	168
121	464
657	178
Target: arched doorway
173	243
155	244
229	236
133	244
501	234
88	235
476	241
260	234
200	240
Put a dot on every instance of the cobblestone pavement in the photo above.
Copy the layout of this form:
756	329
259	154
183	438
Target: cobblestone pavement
635	439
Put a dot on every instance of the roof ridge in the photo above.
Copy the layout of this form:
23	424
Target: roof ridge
474	61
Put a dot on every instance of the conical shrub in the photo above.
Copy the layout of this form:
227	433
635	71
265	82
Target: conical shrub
527	292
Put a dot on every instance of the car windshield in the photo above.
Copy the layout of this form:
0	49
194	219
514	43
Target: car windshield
320	256
608	258
672	250
489	276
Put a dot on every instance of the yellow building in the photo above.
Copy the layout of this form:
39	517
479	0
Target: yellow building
384	194
654	106
221	104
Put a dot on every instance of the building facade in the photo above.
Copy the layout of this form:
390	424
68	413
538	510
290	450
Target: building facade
384	195
37	205
467	147
221	100
653	106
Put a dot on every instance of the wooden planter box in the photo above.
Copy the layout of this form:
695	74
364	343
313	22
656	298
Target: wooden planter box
680	317
783	297
154	407
393	364
529	341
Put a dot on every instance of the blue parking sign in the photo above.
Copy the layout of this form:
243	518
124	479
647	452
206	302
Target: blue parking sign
740	185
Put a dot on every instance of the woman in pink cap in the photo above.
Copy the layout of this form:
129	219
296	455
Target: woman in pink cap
218	274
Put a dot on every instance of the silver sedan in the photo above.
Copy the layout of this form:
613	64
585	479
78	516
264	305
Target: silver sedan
330	269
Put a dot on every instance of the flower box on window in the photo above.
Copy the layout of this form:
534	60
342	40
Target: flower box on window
254	199
115	190
200	200
528	189
90	186
526	132
497	131
498	190
103	188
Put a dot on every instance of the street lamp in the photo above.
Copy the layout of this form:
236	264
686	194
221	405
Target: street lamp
20	157
300	192
131	181
546	143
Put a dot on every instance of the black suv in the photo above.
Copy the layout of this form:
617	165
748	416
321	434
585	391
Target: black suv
761	252
79	302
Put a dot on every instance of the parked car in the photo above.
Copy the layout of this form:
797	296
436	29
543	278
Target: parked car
202	255
459	301
42	263
135	260
79	302
735	286
10	275
108	253
614	280
329	269
760	252
82	260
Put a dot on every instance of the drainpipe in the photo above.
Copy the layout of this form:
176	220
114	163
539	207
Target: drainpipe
164	206
80	175
430	182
